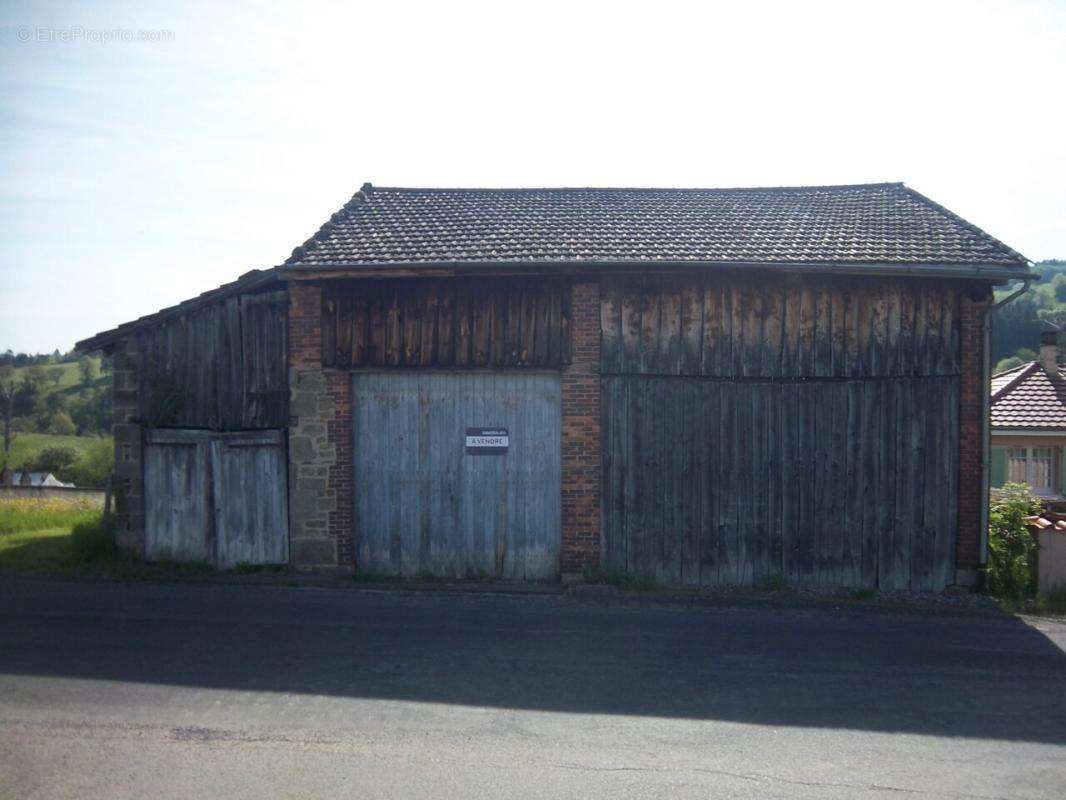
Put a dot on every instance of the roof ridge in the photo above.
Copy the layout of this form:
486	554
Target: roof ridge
648	189
1024	371
966	223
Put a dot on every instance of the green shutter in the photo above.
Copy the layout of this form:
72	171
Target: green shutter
1062	470
999	466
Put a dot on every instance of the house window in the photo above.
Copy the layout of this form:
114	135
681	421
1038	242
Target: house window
1031	465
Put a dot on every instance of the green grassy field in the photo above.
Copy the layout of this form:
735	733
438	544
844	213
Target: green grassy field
28	445
50	535
71	377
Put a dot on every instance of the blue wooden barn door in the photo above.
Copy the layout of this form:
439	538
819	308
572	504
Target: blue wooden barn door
428	500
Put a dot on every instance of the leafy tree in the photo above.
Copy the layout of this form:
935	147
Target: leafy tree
62	424
87	369
56	459
7	409
96	463
1007	363
55	375
1010	544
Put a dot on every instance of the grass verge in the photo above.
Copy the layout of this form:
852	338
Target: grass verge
25	515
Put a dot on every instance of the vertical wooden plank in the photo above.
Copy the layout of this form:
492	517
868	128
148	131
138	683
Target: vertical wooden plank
430	301
611	327
463	326
889	578
541	338
905	344
629	398
691	327
691	471
377	328
947	462
709	408
668	358
791	360
808	315
411	322
446	324
631	312
743	475
934	334
838	315
529	324
854	477
852	358
480	301
642	454
823	333
726	493
710	355
773	331
926	438
755	343
892	329
742	329
920	341
360	332
649	325
951	363
871	432
555	324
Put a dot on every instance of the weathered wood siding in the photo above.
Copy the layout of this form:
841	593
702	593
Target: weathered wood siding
177	491
216	497
250	499
221	367
455	322
736	325
423	505
793	430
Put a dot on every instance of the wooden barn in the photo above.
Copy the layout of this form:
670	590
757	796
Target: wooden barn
702	387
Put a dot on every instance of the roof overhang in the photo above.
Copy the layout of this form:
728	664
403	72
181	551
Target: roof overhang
248	282
995	274
1054	432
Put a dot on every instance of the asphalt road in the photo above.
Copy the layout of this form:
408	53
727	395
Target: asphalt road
137	691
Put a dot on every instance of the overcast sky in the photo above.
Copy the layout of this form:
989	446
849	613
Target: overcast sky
136	174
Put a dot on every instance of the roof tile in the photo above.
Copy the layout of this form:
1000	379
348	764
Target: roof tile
862	224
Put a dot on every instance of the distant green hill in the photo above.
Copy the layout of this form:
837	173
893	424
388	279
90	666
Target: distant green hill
1017	326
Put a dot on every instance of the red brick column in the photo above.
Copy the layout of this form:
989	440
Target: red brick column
581	435
973	391
341	478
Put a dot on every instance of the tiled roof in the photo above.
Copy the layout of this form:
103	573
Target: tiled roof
1027	397
883	224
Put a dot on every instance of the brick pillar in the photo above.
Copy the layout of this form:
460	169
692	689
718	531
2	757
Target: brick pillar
972	393
319	405
128	434
581	435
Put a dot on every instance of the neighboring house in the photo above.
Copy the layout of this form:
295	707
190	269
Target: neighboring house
36	479
1029	424
705	387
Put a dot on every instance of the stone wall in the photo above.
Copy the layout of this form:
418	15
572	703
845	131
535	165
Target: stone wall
312	455
129	447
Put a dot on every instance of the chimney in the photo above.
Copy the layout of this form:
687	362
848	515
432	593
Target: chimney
1049	352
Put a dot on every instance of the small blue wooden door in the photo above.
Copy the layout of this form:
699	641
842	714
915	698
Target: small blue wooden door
425	504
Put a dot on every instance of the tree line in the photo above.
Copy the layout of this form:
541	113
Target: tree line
1017	326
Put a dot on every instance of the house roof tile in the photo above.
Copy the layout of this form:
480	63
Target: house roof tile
1026	397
